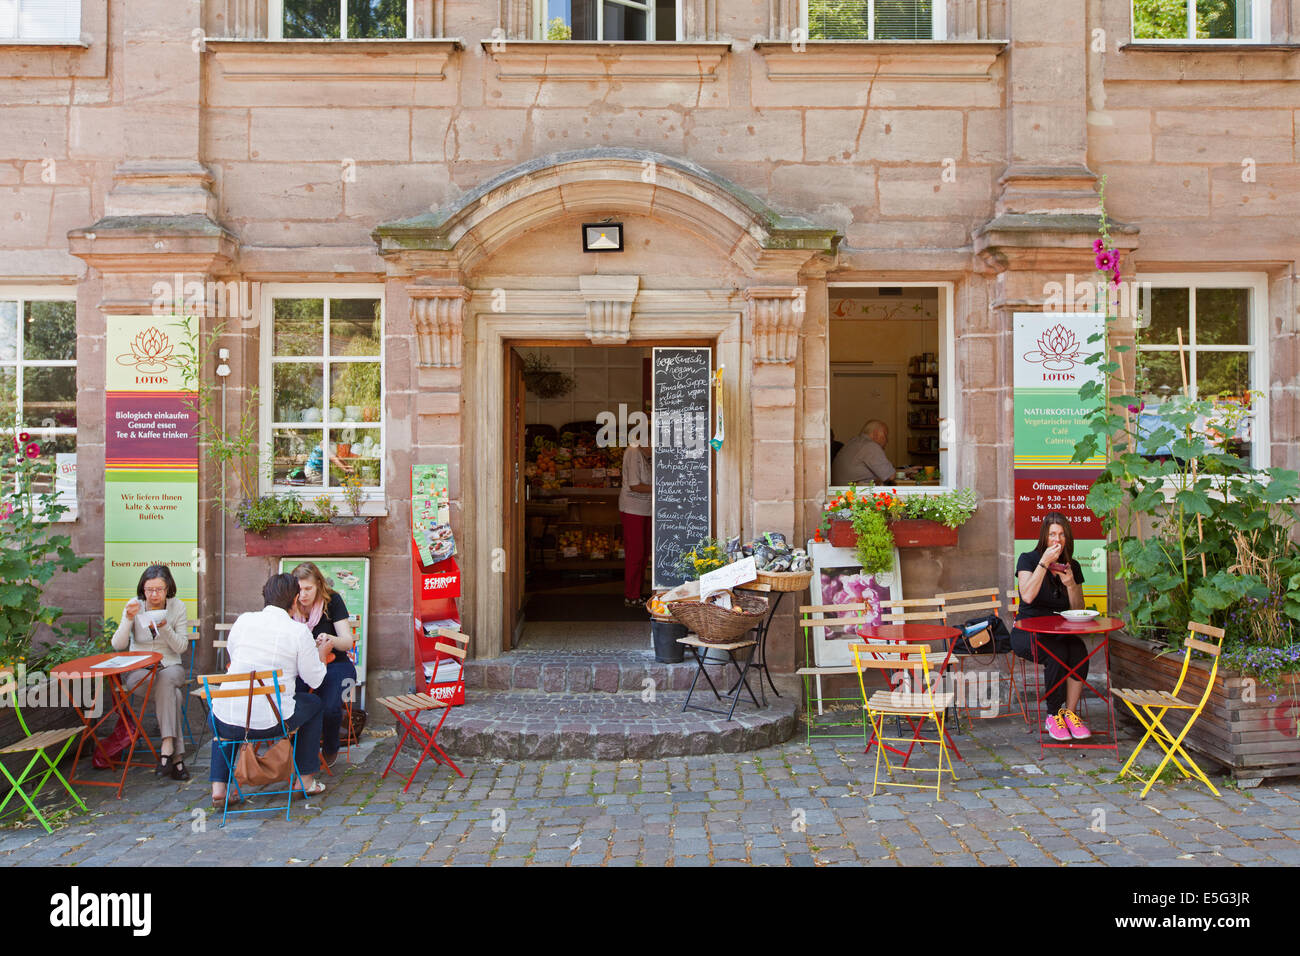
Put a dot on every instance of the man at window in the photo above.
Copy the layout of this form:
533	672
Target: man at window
863	457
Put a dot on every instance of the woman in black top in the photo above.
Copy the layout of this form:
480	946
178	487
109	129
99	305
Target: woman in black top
322	609
1051	581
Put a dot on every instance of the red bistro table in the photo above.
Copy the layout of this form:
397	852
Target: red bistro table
1060	627
914	633
84	667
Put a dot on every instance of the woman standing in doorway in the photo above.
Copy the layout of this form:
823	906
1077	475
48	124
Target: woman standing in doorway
326	616
634	509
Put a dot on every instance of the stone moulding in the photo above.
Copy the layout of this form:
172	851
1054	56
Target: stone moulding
587	60
778	314
422	59
438	314
881	60
609	307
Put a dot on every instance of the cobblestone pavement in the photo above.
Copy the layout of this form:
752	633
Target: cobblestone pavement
787	805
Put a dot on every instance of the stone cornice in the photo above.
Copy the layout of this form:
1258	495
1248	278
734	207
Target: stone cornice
241	59
883	60
155	243
607	60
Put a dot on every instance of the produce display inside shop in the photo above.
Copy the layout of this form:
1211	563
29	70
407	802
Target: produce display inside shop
573	519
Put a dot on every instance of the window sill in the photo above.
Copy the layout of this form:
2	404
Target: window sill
902	491
888	59
67	42
607	59
242	59
1203	46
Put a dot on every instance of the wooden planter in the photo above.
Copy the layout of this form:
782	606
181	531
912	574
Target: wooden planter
1253	739
908	533
313	540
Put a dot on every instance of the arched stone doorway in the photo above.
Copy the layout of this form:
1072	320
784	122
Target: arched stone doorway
703	260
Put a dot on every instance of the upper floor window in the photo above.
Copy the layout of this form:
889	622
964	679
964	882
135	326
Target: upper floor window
873	19
40	19
1201	20
38	377
340	19
609	19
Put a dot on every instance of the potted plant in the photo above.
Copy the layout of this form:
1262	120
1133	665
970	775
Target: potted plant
1197	536
275	525
915	521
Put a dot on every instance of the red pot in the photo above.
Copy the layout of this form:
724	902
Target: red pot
842	535
312	540
922	533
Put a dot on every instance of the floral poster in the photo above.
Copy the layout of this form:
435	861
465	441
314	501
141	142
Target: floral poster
839	579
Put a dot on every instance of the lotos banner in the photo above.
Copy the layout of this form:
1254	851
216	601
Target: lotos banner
1049	369
151	477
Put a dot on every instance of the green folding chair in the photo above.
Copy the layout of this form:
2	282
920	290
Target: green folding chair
35	744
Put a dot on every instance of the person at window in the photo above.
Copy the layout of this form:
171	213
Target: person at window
322	609
154	620
1051	581
634	510
270	640
863	458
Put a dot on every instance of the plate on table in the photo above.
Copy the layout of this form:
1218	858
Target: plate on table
1079	617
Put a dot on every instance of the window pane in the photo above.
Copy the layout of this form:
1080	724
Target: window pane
8	18
1163	376
665	20
311	19
8	329
356	451
377	18
560	19
1222	374
904	19
8	396
1222	316
1160	19
299	325
299	391
50	397
50	331
355	326
51	447
1222	19
297	457
837	19
624	23
354	391
49	19
1169	312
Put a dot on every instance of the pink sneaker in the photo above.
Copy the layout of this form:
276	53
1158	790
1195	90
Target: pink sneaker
1056	727
1078	729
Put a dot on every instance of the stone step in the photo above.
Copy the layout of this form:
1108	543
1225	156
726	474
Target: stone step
552	672
530	725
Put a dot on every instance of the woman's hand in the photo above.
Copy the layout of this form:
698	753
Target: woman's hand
1066	577
132	609
1051	555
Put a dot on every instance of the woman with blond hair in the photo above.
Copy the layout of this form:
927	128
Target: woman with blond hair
322	609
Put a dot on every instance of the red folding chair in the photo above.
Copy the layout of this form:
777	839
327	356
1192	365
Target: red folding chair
407	708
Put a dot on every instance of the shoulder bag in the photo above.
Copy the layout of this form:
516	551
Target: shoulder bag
257	768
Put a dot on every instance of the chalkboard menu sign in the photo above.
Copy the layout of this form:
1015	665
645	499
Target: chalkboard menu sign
683	460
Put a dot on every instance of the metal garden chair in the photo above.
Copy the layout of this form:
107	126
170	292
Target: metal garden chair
36	744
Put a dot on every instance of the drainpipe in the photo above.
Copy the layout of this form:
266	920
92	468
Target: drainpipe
223	372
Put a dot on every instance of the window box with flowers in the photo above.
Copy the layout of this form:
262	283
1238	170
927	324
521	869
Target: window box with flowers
276	525
877	523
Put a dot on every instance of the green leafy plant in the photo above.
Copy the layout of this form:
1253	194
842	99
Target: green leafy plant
268	511
31	553
325	507
951	508
72	648
875	548
352	493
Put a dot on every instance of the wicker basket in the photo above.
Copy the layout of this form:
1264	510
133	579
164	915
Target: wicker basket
717	625
785	580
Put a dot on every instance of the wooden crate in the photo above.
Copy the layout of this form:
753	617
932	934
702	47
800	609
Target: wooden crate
1253	738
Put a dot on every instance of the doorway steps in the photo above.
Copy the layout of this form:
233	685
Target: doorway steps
536	703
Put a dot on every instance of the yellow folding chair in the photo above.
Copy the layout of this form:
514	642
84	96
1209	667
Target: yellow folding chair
1150	707
915	701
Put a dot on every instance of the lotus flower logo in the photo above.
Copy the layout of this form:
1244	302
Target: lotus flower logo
1058	350
151	353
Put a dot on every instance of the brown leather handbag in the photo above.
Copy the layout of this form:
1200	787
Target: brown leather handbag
258	767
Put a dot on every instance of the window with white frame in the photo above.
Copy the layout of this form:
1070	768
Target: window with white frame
1222	320
38	377
322	402
609	19
340	19
1201	21
873	19
38	20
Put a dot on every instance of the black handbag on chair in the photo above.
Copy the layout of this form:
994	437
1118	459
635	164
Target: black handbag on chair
984	635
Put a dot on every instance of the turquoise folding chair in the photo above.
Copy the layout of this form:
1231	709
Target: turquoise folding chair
254	685
35	744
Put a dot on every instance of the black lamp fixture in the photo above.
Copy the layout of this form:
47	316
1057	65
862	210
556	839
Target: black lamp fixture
605	236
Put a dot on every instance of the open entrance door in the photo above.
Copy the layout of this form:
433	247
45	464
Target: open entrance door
512	505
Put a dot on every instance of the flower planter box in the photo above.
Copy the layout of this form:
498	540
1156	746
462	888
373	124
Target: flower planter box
1254	739
908	533
311	540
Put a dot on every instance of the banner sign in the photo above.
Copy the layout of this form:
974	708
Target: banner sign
350	577
151	460
1050	349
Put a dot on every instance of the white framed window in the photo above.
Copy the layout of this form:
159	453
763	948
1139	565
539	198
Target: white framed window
322	398
40	20
38	375
608	19
890	358
1201	21
340	19
873	19
1223	320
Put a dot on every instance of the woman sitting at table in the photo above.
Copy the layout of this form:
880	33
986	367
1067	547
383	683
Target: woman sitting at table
1050	581
154	620
321	608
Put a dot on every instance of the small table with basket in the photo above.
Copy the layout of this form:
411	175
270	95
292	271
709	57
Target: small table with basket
722	629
